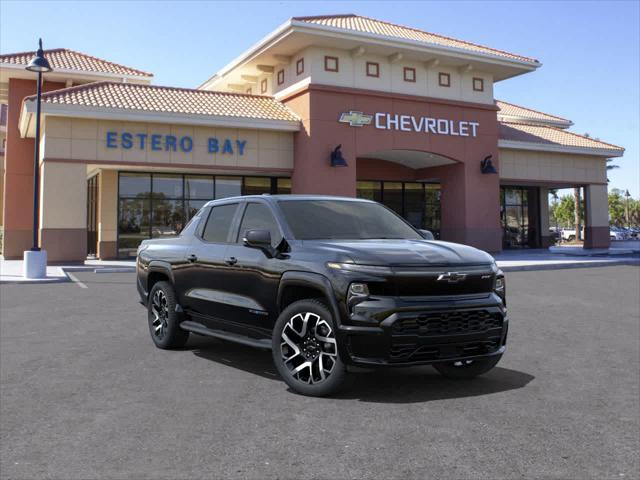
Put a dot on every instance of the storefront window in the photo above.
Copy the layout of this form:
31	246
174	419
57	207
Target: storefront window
159	205
418	202
369	190
228	187
283	186
256	185
392	196
518	218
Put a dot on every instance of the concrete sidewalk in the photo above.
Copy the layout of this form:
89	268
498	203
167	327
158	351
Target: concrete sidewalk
11	270
508	261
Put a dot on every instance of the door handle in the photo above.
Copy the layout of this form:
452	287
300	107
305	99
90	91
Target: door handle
231	261
192	258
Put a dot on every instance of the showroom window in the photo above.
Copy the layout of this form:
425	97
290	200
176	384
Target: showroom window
417	202
159	205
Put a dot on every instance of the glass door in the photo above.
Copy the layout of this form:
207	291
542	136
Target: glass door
92	216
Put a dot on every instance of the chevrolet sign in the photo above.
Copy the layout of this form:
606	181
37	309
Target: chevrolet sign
355	119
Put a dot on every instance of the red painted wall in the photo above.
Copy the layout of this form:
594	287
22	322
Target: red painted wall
470	200
18	177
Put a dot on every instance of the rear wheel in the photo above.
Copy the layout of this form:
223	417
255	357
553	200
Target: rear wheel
467	368
305	349
164	322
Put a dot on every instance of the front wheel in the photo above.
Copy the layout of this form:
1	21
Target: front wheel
305	349
467	368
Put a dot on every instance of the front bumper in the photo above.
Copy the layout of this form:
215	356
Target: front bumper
396	331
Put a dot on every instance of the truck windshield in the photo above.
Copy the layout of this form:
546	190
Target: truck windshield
342	219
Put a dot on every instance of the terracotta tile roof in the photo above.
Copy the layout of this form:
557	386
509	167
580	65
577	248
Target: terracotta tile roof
152	98
65	59
379	27
513	110
517	132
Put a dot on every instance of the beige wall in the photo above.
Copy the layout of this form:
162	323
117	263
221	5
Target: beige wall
63	195
352	73
108	206
552	167
597	206
80	139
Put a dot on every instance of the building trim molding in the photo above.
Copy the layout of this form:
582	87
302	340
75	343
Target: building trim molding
544	147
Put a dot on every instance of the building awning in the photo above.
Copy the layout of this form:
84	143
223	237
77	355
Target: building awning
545	138
149	103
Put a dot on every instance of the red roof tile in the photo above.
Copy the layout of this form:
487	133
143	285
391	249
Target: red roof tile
152	98
370	25
544	135
513	110
65	59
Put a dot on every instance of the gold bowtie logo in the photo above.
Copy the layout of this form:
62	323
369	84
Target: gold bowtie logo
355	119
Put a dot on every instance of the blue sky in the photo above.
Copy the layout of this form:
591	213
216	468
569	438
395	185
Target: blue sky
589	50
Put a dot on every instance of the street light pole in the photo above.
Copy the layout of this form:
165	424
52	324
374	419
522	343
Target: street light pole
35	260
36	171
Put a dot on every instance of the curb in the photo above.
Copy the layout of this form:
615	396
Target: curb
566	266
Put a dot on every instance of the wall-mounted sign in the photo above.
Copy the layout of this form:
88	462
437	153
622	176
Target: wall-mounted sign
171	143
411	123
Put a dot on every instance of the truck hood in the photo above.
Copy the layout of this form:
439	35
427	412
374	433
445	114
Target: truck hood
404	252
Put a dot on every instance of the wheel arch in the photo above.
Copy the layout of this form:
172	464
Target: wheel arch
296	286
157	272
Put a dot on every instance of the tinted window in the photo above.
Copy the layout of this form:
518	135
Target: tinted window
335	219
219	223
257	216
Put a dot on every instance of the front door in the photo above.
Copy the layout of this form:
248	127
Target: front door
92	216
252	276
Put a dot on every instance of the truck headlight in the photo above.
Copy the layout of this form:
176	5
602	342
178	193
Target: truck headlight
500	287
358	292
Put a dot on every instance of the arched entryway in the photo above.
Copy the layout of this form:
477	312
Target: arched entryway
406	181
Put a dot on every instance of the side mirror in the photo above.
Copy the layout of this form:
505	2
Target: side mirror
257	239
427	234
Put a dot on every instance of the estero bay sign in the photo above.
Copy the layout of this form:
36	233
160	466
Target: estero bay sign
411	123
171	143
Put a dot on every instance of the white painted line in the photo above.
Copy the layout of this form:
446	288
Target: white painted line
75	280
115	270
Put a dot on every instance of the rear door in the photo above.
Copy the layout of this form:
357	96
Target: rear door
203	292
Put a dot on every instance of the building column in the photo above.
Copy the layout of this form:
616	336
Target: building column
546	240
312	170
18	173
470	206
63	211
108	215
596	216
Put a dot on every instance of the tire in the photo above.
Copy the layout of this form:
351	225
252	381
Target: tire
164	321
571	238
467	370
305	349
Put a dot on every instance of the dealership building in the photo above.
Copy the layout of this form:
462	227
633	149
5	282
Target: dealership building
338	105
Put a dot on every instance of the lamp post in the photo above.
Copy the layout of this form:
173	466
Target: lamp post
35	260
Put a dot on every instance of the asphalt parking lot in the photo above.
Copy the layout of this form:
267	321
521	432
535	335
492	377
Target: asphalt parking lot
85	394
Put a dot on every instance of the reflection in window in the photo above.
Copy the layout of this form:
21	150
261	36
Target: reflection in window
392	196
284	186
369	190
256	185
228	187
159	205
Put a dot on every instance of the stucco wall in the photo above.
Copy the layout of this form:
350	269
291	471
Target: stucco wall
551	167
352	73
85	140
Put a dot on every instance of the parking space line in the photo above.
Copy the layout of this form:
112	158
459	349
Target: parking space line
75	280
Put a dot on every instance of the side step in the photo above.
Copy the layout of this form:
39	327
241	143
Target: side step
200	329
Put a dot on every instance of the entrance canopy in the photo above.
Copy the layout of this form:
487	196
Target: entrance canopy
410	158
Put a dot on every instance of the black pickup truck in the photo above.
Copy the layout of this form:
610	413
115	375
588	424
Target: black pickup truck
324	283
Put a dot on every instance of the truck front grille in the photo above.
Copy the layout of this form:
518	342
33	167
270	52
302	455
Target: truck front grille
448	323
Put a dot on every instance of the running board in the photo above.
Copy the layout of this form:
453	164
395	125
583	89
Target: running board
200	329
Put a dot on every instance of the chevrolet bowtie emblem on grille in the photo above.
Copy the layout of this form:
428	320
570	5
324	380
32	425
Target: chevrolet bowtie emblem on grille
452	277
355	119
